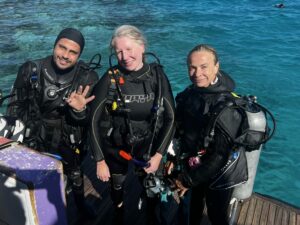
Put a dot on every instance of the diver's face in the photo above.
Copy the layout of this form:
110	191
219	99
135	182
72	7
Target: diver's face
129	53
66	53
202	68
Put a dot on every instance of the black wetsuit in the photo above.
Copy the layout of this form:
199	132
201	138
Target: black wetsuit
110	130
51	125
194	107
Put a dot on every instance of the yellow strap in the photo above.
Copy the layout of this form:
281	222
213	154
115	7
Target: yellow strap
235	95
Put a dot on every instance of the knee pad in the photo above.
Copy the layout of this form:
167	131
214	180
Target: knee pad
76	178
117	181
117	188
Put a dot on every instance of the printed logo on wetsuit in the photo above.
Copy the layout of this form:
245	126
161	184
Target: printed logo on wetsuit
139	98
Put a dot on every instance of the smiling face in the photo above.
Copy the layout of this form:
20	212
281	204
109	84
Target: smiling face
66	53
202	68
129	53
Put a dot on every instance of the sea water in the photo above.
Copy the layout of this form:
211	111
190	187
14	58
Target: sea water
258	44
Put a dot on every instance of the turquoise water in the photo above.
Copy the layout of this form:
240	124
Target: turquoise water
258	44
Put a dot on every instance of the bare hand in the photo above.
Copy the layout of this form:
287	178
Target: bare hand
154	163
102	171
169	167
77	99
180	188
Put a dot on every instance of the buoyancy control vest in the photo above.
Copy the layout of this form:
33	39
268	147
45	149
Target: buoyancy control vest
252	133
124	125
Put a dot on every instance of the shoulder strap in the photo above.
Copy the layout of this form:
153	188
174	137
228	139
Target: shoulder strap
35	73
158	99
35	85
223	103
112	89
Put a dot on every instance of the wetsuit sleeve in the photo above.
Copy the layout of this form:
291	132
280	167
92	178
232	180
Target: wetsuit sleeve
97	108
166	132
178	129
179	111
19	103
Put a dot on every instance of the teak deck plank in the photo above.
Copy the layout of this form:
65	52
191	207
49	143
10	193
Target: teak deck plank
298	219
292	218
257	212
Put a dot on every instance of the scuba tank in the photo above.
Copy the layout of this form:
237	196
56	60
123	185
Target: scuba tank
257	127
256	116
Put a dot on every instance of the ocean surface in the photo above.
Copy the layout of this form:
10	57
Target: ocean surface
258	44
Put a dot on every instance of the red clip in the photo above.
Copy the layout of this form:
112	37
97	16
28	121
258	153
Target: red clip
121	81
201	152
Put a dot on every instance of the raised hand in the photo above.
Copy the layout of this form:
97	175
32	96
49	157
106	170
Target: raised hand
77	99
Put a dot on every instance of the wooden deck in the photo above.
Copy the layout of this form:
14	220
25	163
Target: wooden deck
258	210
265	210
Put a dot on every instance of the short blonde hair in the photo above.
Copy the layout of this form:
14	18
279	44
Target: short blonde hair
129	31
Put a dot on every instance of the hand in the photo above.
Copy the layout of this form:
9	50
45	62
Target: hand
180	188
169	166
102	171
77	99
154	163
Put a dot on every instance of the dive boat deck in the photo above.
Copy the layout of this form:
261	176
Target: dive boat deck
265	210
258	210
